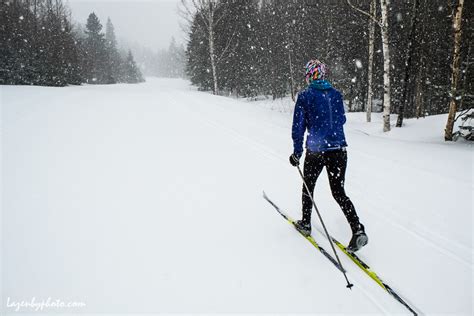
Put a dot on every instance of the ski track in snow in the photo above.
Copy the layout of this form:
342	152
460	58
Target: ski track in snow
219	124
430	238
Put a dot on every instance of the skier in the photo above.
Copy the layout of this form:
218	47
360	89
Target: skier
319	109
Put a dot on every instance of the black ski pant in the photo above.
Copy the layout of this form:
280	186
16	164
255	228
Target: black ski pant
335	162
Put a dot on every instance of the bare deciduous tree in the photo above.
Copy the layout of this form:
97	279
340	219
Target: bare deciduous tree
370	72
210	14
383	24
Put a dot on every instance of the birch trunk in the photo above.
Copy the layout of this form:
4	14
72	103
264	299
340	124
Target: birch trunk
386	66
213	60
212	48
448	132
371	62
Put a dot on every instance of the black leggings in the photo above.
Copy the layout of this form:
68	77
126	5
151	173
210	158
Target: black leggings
335	162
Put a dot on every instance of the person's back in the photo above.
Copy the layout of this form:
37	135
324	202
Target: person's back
322	109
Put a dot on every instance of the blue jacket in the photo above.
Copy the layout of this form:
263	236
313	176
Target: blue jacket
319	110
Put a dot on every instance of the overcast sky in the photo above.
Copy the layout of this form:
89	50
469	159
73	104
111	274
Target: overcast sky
150	23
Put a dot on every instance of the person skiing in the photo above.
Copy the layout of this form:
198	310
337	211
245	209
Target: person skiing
319	110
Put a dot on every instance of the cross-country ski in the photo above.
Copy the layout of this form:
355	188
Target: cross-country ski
361	264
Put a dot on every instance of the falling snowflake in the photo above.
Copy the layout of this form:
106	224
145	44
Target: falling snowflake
358	63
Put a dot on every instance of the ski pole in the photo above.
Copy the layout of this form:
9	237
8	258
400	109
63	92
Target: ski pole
349	285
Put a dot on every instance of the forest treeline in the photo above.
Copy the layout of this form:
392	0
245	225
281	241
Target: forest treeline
260	47
40	46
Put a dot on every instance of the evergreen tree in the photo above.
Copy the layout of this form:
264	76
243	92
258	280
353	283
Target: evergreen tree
174	58
15	47
239	65
113	55
96	59
132	73
71	62
34	43
54	58
198	67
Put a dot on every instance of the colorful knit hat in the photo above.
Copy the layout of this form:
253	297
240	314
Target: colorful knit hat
315	70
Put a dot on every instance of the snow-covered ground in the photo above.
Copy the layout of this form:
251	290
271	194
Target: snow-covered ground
148	198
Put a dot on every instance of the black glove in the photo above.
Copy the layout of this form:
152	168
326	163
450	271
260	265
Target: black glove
294	160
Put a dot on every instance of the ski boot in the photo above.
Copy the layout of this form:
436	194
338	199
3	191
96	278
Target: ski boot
359	239
303	227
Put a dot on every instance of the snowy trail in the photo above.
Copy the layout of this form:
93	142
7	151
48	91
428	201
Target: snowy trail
423	236
147	198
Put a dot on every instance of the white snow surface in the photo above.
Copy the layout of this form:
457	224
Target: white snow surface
148	198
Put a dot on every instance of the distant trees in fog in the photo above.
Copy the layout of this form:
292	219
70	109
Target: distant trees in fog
166	63
39	46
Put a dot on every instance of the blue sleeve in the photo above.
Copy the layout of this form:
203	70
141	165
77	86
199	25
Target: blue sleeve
342	108
343	113
299	127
